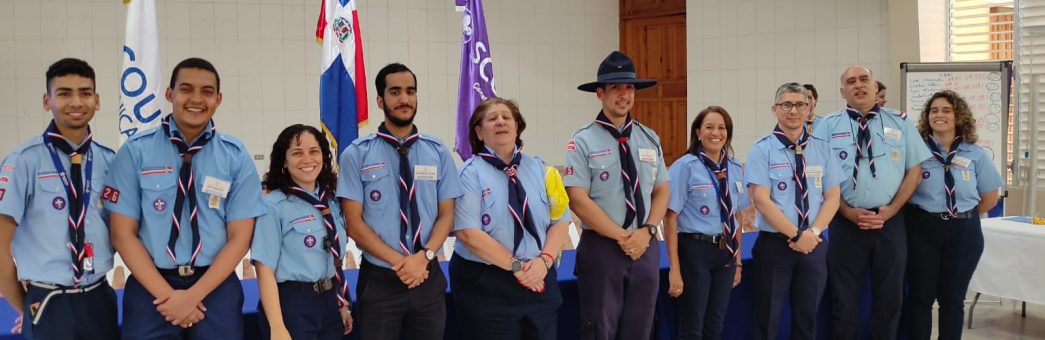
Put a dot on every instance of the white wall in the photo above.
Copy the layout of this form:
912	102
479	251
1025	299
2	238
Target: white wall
269	62
740	51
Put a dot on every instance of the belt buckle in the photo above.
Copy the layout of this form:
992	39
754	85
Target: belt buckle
185	271
945	216
322	286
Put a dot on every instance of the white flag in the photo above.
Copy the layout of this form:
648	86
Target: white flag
140	96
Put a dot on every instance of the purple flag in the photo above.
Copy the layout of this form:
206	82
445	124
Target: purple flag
476	82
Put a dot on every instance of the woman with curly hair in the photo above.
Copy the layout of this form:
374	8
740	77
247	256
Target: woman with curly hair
299	243
944	239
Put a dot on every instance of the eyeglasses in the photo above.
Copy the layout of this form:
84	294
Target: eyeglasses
787	106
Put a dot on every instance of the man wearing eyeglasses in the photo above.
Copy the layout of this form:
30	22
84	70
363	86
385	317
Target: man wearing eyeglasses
793	179
882	151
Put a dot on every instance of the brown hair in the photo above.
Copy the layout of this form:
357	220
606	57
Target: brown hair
964	122
694	139
480	113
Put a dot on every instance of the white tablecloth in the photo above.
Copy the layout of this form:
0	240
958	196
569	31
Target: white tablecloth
1013	262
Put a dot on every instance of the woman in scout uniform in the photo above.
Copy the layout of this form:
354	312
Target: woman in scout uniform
502	274
701	230
944	239
298	245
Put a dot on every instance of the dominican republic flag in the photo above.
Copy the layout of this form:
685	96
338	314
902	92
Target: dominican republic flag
476	83
140	96
342	87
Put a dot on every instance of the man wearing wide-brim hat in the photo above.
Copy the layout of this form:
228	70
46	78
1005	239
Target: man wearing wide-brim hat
617	183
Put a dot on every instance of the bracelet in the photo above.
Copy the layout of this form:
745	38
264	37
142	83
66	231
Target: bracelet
548	260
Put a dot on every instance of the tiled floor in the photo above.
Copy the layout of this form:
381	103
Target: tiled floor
999	319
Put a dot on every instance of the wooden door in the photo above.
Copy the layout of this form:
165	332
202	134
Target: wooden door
653	34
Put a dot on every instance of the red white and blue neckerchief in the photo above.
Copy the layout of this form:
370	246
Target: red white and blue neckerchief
629	172
332	242
863	140
948	177
719	169
518	201
186	190
410	218
798	175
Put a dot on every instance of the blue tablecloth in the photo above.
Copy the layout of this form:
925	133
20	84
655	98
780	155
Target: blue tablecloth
738	317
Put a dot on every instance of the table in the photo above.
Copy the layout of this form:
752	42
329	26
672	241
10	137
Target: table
1013	261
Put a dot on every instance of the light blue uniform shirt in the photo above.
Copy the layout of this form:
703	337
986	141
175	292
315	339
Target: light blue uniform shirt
32	193
694	194
770	164
370	175
484	205
978	176
592	163
144	182
289	238
896	145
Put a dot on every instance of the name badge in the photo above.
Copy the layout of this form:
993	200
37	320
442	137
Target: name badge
214	202
965	175
426	172
216	187
894	134
814	170
648	155
740	187
961	161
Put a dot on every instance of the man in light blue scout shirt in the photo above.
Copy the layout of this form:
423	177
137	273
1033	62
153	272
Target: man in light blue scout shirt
397	190
51	220
617	184
183	198
794	180
880	151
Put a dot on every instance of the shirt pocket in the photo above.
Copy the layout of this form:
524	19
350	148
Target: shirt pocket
702	195
158	194
306	233
376	183
604	166
781	179
843	148
50	192
892	148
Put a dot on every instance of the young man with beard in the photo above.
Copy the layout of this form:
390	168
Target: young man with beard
51	221
618	186
182	201
397	190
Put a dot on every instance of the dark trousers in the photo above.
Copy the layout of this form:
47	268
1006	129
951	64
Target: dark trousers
223	319
492	305
387	310
617	295
883	252
308	315
60	315
781	273
943	256
707	276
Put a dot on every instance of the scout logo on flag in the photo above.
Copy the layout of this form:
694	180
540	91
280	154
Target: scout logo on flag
140	96
342	87
476	82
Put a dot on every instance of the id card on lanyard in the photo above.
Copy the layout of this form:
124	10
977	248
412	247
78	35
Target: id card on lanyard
85	201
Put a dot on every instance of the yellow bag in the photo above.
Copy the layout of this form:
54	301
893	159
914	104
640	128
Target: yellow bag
558	201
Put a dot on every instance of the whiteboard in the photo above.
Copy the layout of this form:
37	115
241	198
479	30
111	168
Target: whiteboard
984	86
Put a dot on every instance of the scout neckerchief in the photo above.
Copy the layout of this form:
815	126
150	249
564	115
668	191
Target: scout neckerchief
629	173
407	198
863	140
186	189
518	202
948	178
77	190
798	175
727	215
332	242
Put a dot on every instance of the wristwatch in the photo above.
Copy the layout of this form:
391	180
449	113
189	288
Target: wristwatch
516	265
816	231
429	254
652	229
798	236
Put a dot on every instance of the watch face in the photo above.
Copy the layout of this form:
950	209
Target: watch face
516	265
429	254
